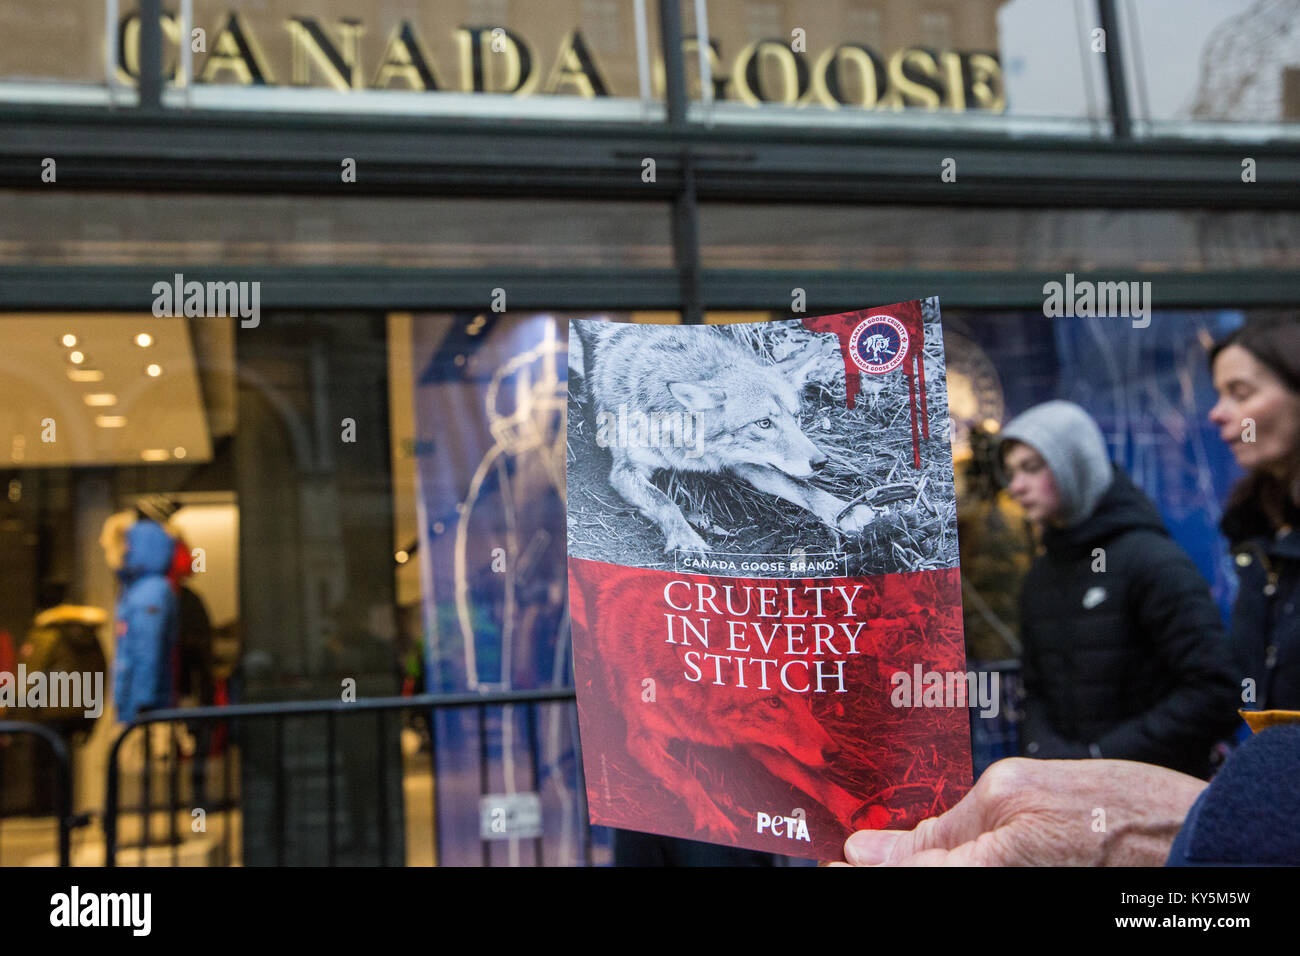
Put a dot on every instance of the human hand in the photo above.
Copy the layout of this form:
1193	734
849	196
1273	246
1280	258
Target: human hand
1045	813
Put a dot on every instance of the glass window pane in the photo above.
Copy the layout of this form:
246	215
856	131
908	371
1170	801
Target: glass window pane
1194	65
52	41
57	52
988	63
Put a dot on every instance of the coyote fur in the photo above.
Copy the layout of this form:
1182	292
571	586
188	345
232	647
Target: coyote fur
746	412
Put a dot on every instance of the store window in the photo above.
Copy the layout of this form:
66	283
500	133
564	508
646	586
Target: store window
1023	64
1230	66
58	52
363	500
107	421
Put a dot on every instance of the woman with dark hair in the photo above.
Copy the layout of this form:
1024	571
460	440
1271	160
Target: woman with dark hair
1257	375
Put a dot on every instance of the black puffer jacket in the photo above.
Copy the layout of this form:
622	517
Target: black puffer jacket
1266	617
1130	662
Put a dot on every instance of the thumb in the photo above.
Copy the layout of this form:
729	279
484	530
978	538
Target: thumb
949	830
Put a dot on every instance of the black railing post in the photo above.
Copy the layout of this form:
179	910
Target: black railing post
150	54
583	813
147	803
111	802
63	796
226	799
173	795
281	797
483	777
670	32
433	778
1116	86
331	837
686	226
382	755
62	779
531	711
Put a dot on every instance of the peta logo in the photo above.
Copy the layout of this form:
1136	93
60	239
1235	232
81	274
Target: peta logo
1093	597
795	828
878	344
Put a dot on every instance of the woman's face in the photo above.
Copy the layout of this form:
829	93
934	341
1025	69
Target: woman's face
1257	415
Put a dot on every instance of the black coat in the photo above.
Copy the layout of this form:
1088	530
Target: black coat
1129	662
1266	617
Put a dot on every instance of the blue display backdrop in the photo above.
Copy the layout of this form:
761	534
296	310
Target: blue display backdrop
1149	390
490	398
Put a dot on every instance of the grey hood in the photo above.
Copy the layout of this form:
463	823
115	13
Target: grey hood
1074	449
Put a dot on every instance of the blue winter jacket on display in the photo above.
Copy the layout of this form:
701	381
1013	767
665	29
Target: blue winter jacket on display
146	622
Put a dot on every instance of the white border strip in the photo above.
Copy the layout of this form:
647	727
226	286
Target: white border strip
186	78
642	52
110	43
706	68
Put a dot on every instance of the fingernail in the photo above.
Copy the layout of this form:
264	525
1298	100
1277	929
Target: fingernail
869	847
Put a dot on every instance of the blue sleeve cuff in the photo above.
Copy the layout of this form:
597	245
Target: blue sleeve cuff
1246	816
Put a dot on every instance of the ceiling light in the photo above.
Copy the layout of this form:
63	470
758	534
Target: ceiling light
76	358
99	399
69	340
85	375
154	454
154	370
110	421
144	340
178	452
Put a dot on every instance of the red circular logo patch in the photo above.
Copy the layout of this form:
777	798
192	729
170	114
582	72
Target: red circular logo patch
878	344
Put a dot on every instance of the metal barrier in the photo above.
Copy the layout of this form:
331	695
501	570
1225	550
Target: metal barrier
993	739
62	780
330	712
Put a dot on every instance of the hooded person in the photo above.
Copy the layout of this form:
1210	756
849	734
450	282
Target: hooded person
146	621
1124	654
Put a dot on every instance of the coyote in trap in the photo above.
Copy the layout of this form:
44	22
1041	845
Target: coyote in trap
739	415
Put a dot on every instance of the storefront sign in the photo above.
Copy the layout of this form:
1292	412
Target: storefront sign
350	53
